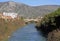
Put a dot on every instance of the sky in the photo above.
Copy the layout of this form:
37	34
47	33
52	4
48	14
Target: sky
36	2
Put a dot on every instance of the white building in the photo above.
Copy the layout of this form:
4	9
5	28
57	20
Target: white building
13	15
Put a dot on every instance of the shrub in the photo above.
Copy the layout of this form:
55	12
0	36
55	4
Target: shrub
50	22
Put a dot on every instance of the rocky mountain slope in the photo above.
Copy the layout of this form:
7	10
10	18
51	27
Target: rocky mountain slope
25	10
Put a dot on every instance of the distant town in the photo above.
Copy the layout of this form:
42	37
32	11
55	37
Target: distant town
12	15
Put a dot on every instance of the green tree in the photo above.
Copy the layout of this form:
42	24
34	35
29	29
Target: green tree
50	22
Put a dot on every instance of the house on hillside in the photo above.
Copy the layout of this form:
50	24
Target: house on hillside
12	15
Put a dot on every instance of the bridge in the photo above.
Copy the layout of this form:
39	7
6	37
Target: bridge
31	20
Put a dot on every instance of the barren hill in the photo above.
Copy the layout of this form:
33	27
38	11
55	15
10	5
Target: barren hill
25	10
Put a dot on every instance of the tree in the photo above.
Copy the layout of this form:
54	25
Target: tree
50	22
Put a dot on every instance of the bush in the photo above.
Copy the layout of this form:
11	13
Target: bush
50	22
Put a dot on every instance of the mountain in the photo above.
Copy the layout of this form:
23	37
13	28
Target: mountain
25	10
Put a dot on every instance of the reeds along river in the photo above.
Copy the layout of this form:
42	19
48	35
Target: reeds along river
27	33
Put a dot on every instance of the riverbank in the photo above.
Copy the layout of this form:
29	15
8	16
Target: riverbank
9	26
50	26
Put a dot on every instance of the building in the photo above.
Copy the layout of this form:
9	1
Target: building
13	15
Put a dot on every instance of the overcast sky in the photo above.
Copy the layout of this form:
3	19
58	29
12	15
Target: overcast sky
36	2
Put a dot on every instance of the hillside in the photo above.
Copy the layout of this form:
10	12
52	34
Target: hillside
25	10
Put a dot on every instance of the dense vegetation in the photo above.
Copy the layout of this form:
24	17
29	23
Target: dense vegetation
50	22
9	26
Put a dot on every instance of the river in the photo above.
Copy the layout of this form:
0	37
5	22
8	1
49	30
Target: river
27	33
